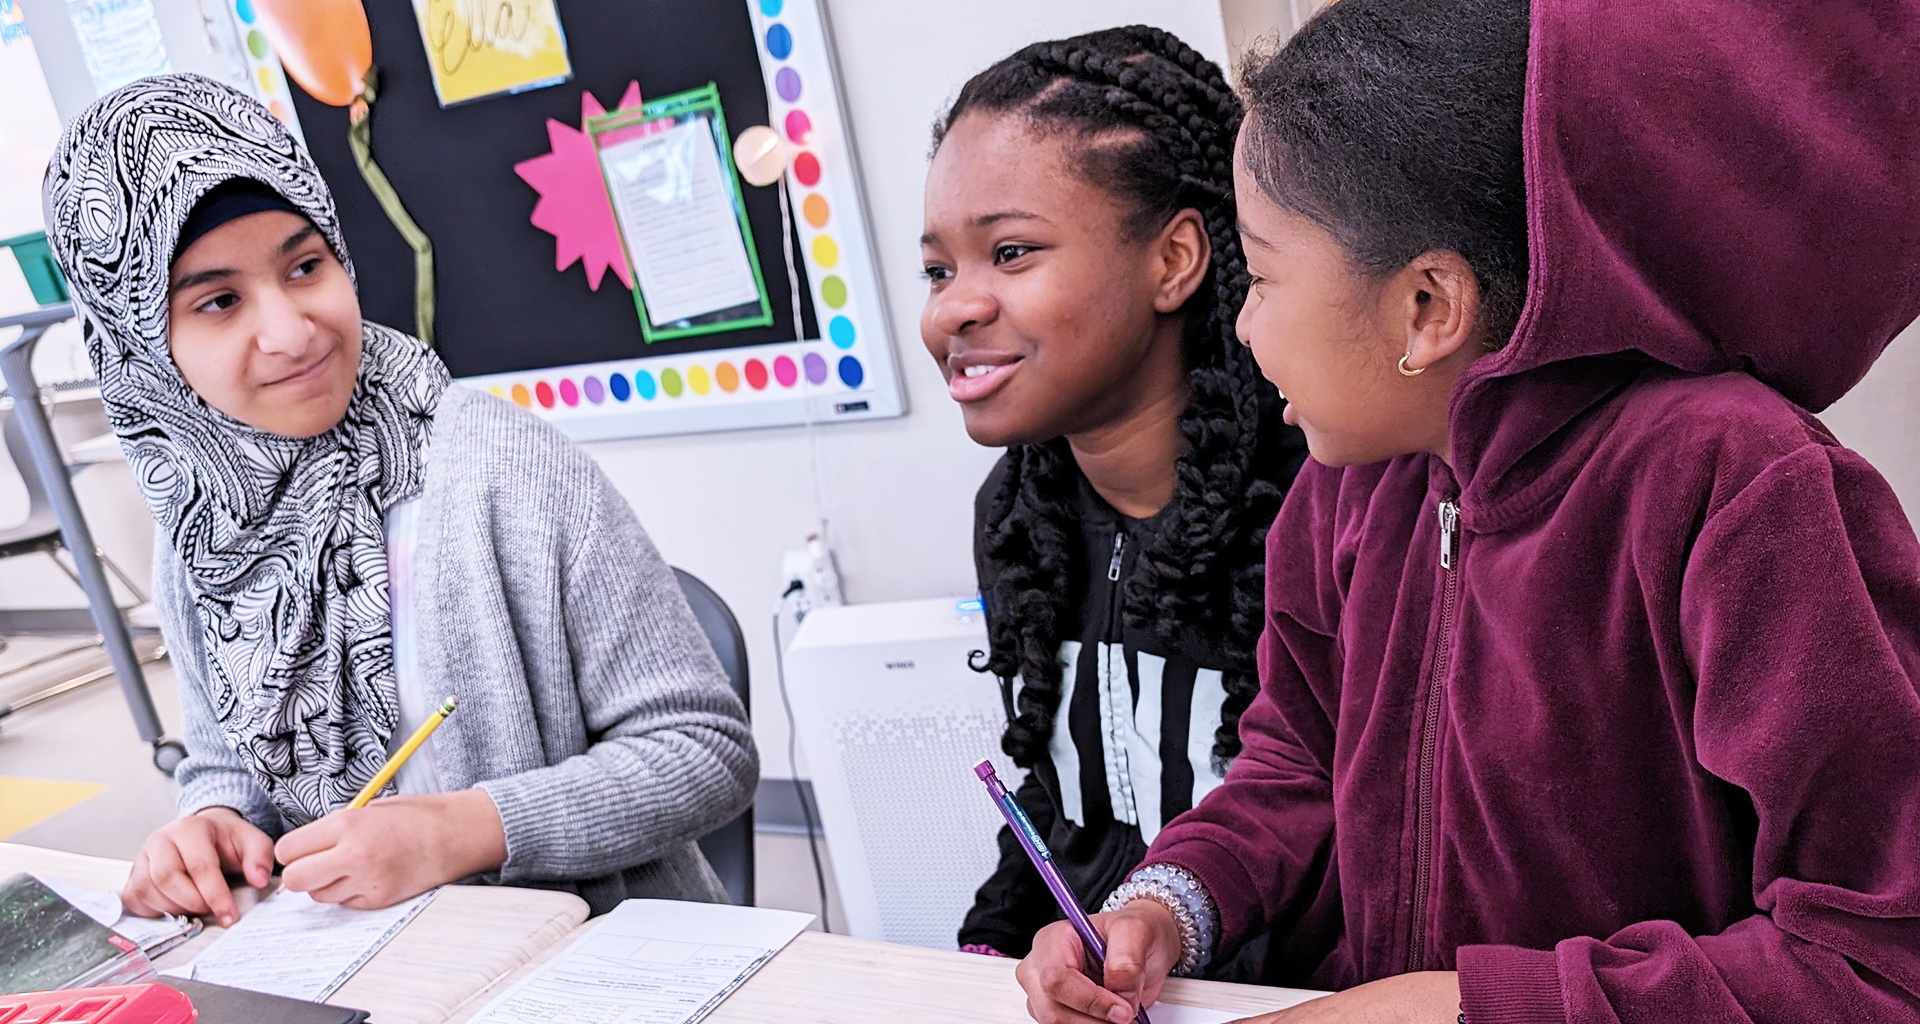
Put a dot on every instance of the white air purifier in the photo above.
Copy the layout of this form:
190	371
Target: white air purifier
893	720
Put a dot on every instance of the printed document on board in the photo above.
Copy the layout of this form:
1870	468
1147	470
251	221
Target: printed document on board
676	213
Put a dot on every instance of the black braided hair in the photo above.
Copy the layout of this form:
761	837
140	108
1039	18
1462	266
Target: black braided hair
1154	124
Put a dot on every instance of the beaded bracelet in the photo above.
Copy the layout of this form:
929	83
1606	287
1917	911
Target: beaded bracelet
1161	893
1186	899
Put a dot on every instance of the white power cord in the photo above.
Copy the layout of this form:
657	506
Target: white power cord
796	596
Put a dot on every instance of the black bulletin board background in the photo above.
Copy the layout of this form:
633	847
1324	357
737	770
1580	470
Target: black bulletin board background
501	305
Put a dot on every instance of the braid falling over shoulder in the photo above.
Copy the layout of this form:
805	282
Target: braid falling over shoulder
1159	122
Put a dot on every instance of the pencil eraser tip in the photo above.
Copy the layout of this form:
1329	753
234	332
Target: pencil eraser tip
984	769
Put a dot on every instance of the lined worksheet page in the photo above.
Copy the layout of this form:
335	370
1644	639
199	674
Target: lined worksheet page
291	946
649	962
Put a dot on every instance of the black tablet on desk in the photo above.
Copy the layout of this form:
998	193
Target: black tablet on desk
219	1004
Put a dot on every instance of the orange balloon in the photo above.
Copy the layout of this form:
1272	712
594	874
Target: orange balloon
324	44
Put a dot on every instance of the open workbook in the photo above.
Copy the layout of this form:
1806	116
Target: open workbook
464	942
649	962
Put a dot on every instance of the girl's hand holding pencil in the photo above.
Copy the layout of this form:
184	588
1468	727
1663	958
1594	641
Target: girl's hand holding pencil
394	849
374	854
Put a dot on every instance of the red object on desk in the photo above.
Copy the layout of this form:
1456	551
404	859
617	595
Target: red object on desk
118	1004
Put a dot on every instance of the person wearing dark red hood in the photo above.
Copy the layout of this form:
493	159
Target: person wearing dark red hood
1588	686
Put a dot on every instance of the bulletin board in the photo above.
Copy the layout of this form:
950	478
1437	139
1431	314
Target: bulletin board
508	322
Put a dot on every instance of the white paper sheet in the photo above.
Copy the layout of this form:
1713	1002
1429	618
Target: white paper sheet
649	962
103	907
677	216
291	946
156	935
1178	1013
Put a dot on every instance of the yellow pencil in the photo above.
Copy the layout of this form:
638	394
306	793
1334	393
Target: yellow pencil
379	782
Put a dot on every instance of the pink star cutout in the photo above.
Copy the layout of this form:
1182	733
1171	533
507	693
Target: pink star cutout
573	205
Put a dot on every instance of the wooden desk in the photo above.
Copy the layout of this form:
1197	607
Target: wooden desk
474	941
832	979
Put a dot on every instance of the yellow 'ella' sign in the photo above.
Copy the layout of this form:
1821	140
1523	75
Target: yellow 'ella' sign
480	48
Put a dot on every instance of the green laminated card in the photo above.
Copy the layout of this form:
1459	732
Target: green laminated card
682	220
47	943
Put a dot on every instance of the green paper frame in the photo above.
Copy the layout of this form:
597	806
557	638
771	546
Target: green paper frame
679	108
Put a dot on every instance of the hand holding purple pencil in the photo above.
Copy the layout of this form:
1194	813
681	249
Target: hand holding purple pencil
1042	858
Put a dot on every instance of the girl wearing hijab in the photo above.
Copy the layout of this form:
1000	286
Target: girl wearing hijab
1588	686
345	540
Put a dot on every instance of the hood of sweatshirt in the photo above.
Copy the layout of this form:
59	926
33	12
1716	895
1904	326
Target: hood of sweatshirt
1733	187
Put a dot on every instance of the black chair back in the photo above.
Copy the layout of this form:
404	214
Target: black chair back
728	848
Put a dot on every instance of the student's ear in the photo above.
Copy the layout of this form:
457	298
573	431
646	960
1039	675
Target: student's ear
1183	253
1438	301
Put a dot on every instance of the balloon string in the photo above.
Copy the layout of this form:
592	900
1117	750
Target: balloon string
360	138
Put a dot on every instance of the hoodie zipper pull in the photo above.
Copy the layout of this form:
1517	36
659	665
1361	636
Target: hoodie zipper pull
1119	545
1449	532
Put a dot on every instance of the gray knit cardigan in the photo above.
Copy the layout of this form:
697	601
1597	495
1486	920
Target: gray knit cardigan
592	709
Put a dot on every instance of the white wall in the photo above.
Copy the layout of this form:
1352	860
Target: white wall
1880	418
1250	22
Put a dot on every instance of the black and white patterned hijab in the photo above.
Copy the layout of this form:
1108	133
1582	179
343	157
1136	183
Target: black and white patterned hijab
281	538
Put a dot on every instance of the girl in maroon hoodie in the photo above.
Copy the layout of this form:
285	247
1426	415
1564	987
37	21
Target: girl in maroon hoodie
1589	676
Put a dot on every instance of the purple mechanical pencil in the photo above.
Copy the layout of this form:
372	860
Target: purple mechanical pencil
1042	858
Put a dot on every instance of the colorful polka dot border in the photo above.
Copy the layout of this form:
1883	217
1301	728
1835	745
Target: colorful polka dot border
264	64
740	374
808	172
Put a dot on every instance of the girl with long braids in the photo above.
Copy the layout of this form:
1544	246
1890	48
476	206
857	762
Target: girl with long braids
1084	275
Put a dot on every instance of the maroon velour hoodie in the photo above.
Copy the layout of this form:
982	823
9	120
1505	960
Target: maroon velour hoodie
1618	715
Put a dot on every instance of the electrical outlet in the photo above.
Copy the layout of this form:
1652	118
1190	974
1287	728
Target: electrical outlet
823	577
793	569
809	579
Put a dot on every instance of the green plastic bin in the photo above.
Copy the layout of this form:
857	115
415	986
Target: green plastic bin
36	262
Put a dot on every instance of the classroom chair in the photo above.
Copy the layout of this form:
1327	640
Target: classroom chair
43	460
728	848
39	534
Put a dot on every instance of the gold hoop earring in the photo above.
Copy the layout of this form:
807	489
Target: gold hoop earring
1404	372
